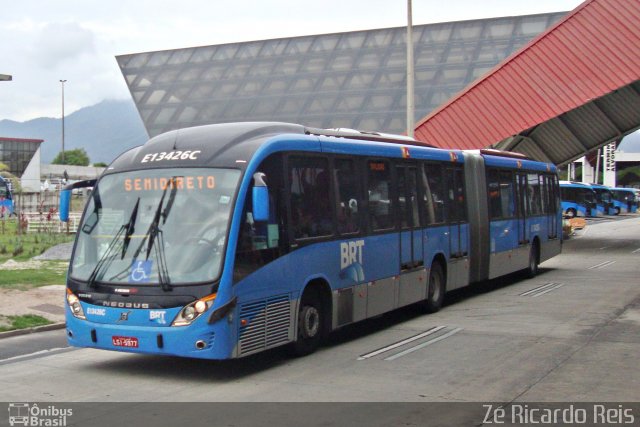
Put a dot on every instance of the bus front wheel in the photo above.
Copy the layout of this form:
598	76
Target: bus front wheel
310	324
571	213
435	289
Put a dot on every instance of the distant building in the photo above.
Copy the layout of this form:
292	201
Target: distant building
22	156
353	79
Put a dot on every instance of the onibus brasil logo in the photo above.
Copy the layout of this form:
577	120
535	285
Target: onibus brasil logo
27	414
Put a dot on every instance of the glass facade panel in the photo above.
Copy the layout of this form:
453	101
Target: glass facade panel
17	154
363	72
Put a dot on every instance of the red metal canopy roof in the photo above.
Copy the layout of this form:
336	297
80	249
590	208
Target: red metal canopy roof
593	51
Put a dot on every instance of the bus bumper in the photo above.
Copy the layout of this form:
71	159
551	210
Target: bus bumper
198	340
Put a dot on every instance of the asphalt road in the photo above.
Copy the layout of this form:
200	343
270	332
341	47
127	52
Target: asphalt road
570	334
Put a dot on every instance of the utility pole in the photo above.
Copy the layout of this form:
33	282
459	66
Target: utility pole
410	101
62	82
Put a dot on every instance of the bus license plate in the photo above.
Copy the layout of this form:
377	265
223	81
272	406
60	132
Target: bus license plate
131	342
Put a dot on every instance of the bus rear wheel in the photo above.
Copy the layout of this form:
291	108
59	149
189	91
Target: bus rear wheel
534	260
435	289
310	324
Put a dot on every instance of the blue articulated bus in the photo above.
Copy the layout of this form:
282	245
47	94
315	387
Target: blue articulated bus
6	199
224	240
604	198
578	199
624	200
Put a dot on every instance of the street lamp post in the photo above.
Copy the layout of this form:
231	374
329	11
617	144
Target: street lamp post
410	99
62	154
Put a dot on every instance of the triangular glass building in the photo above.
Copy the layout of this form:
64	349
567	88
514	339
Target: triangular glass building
352	80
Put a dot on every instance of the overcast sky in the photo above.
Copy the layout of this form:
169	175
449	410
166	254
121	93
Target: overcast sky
43	41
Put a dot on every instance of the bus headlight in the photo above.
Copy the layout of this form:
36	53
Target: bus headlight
74	305
192	311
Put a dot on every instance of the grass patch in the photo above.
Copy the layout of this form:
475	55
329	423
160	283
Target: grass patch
48	273
22	247
10	323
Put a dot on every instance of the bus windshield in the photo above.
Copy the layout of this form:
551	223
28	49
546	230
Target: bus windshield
161	226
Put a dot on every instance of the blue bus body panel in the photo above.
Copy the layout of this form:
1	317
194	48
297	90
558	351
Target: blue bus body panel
176	341
6	202
504	235
512	163
581	210
7	206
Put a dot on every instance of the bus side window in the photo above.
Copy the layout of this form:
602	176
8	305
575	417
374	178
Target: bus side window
378	190
434	194
262	242
544	197
507	195
533	189
456	196
309	186
348	196
493	191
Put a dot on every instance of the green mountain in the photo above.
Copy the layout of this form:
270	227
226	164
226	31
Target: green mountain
104	130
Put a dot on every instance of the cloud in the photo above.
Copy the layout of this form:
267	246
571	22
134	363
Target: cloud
58	43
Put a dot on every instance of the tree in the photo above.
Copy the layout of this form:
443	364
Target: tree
100	165
76	157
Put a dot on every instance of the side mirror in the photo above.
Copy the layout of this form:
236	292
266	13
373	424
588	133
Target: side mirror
65	203
65	197
260	198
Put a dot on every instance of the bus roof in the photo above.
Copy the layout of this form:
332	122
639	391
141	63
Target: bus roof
574	184
233	145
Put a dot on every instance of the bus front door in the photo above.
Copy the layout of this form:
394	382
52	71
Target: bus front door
412	273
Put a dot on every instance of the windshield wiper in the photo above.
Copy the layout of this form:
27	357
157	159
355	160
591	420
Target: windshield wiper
130	229
155	232
109	255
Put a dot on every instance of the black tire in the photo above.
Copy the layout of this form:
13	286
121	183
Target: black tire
310	324
534	260
617	210
571	213
435	289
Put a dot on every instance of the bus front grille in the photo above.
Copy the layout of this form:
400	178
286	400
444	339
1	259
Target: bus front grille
268	324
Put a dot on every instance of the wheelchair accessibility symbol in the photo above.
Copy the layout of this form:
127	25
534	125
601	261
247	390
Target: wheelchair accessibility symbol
140	271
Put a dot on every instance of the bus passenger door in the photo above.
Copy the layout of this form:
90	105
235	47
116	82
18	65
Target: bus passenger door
551	206
458	229
523	233
412	285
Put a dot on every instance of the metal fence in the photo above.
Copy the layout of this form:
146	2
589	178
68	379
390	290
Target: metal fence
39	212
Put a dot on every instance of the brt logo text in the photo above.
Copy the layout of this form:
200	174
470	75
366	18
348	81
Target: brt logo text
351	253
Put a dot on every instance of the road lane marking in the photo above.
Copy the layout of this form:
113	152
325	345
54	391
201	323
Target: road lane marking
636	251
539	288
423	345
601	265
558	285
36	355
401	343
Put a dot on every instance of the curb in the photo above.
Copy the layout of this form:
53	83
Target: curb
27	331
